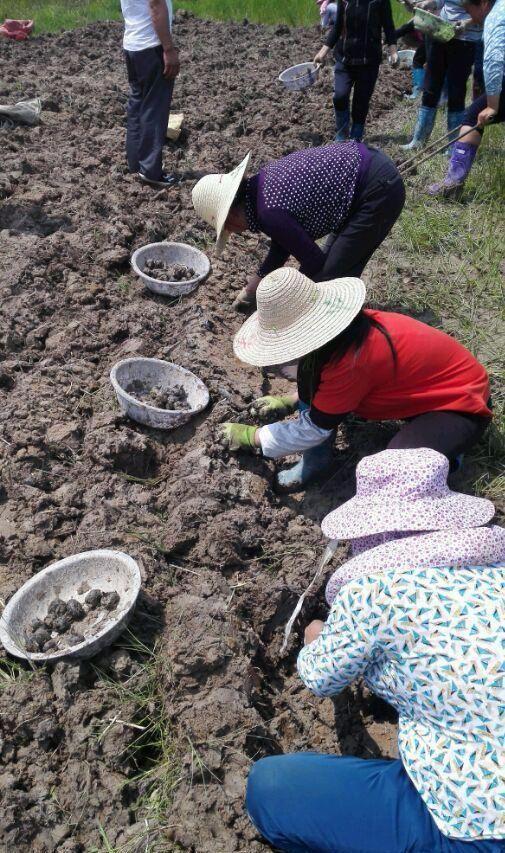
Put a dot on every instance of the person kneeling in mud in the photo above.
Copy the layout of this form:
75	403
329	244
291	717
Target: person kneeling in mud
378	365
350	192
419	620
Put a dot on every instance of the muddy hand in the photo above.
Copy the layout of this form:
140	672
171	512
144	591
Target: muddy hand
239	436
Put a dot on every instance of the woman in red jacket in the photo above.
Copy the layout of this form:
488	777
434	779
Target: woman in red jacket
378	365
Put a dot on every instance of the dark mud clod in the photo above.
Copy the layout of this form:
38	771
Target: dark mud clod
168	272
75	609
93	598
57	607
110	600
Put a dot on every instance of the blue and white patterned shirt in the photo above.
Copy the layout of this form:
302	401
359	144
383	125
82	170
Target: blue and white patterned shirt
494	48
430	642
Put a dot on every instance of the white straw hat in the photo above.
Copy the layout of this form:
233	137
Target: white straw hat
213	196
296	316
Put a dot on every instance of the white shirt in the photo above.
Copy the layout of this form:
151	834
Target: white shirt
139	33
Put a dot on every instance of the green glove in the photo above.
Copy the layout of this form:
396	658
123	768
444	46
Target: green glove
274	405
239	436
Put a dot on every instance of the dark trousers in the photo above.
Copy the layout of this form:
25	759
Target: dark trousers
378	204
452	60
451	433
472	113
360	78
148	111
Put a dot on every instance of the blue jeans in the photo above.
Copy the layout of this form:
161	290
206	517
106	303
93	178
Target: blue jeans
313	803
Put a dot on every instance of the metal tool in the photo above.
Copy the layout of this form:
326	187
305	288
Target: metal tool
405	167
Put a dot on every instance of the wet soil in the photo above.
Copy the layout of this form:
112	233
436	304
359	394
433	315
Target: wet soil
172	399
223	557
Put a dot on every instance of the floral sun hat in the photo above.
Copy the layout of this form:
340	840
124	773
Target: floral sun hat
480	546
405	490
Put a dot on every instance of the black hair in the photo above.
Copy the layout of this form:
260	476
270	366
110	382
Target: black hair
241	193
478	2
310	366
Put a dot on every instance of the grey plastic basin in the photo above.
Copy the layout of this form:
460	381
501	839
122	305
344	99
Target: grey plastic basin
104	569
154	372
171	253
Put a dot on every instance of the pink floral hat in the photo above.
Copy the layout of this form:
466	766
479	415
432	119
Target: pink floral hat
399	490
481	546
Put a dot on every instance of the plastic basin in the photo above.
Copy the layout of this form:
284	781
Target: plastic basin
432	25
171	253
299	76
151	373
104	569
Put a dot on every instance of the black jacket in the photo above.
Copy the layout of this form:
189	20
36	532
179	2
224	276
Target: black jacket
357	32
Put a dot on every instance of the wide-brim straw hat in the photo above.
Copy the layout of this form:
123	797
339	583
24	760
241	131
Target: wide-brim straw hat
399	490
296	316
213	197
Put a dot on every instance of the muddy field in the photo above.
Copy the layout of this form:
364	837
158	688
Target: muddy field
223	558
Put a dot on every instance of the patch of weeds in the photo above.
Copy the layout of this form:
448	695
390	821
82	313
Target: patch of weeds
11	672
152	752
123	284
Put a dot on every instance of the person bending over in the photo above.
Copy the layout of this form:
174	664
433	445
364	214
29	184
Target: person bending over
350	192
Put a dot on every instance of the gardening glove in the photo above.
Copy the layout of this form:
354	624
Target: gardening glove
270	405
239	436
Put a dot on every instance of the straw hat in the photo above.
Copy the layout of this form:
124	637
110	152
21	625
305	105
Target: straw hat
296	316
400	490
213	196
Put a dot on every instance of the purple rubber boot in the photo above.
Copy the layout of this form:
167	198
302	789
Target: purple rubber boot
460	164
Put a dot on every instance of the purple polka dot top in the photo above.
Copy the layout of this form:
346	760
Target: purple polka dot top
303	197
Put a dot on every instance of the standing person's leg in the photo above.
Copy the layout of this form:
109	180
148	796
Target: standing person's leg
374	212
365	78
330	804
133	113
341	93
464	151
460	58
418	72
433	81
451	433
156	100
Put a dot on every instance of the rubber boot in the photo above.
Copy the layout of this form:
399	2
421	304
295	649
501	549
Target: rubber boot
455	118
425	123
417	83
341	125
313	462
357	131
460	164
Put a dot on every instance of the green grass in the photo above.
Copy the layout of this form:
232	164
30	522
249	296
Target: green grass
448	258
153	752
61	14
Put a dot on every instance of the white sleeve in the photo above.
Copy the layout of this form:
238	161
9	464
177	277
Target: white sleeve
295	436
